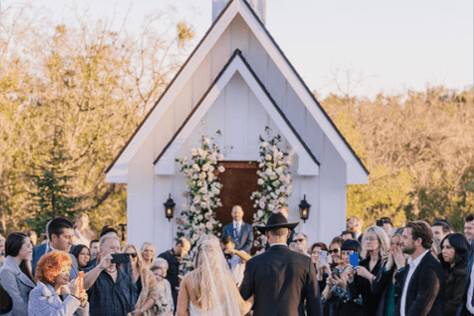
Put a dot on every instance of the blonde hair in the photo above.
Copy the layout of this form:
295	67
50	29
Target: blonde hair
139	256
210	265
384	242
145	245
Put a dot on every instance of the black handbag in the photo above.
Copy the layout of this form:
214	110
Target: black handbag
6	303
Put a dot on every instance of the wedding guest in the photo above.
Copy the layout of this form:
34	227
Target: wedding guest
60	234
386	224
453	258
301	243
111	288
144	280
52	274
164	306
148	252
241	232
82	255
469	227
343	294
15	275
375	248
33	237
354	225
440	229
83	234
174	257
319	258
94	248
2	250
345	235
236	259
107	229
384	284
335	251
422	282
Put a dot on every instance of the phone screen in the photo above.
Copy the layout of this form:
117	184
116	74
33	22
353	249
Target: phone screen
120	258
354	259
323	257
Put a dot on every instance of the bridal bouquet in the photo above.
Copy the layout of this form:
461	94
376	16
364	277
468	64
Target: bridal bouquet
201	172
274	181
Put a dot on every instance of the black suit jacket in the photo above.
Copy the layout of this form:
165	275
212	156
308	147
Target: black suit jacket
462	310
426	289
282	282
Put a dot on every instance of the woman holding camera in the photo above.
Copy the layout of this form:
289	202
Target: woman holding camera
342	294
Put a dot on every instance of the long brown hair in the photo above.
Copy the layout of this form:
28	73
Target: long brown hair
13	246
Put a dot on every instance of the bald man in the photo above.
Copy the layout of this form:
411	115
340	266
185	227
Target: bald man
241	232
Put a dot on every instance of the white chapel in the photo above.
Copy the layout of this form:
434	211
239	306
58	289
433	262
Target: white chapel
238	81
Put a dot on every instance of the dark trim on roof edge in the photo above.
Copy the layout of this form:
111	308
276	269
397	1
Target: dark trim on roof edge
284	57
287	121
169	86
236	53
306	87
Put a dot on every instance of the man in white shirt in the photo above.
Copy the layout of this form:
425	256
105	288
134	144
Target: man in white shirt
241	232
422	280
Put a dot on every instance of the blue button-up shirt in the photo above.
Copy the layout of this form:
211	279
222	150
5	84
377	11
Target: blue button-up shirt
107	297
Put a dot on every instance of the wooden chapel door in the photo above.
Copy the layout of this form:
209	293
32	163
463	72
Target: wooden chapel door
239	181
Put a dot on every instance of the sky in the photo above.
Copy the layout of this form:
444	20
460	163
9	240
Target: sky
359	47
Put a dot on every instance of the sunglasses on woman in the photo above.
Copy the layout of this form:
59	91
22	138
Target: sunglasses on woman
333	251
133	254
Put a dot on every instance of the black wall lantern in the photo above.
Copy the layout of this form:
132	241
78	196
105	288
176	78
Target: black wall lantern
304	209
169	208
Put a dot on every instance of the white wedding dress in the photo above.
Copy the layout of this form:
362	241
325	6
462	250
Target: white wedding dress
213	276
195	311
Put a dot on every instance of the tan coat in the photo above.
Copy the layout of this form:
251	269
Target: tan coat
149	290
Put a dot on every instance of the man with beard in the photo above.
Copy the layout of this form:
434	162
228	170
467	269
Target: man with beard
174	257
422	279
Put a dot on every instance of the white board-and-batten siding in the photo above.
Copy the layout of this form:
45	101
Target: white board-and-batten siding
147	191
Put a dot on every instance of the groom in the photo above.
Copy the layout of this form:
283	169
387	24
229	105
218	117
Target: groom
282	281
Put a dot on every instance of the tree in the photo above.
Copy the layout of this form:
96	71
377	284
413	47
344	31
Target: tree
52	193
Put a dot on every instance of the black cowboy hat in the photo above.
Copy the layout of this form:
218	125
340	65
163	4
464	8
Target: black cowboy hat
276	220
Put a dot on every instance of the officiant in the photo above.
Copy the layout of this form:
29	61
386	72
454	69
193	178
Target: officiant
241	232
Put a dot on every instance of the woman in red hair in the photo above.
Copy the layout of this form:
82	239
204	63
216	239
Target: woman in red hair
52	274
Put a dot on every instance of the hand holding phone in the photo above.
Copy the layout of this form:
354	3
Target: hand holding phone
119	258
354	259
323	257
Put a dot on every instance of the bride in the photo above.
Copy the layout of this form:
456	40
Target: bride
209	290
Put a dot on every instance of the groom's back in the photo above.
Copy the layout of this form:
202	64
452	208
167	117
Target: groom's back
280	280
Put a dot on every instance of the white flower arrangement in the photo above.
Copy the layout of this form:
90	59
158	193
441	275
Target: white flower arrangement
201	172
274	181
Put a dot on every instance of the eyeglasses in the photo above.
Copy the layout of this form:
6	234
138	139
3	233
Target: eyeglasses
133	254
333	251
299	240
